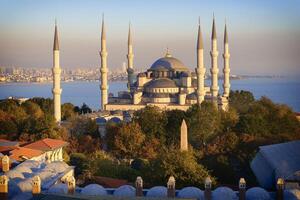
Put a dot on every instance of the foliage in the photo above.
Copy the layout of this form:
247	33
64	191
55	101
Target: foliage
240	100
173	162
80	161
128	141
152	121
174	120
67	111
203	122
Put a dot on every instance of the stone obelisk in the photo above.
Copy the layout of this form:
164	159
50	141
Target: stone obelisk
183	137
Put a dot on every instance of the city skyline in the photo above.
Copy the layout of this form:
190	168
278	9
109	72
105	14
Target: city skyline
265	43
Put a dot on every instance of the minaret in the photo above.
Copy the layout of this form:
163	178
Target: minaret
56	71
103	69
183	136
226	69
214	63
200	70
130	56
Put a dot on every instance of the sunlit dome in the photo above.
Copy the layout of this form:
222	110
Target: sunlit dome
224	193
125	191
157	191
257	193
191	193
168	63
93	190
161	83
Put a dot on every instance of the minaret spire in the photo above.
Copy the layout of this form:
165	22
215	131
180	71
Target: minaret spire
214	70
226	69
130	56
200	70
56	71
103	69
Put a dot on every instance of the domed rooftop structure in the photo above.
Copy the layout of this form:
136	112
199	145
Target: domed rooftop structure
168	63
161	83
292	194
224	193
58	189
257	193
125	191
191	193
93	190
157	191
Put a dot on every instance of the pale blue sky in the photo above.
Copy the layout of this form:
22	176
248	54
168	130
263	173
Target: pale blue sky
264	35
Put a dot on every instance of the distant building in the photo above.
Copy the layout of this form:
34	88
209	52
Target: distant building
277	161
168	83
42	150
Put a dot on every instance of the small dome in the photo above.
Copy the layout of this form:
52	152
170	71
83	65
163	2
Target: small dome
125	191
191	193
93	190
292	194
157	191
161	83
168	63
101	120
45	174
23	169
25	186
192	96
257	193
57	166
115	120
58	189
224	193
14	174
185	74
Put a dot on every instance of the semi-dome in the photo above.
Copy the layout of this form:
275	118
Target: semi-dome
157	191
257	193
224	193
161	83
292	194
93	190
168	63
125	191
191	193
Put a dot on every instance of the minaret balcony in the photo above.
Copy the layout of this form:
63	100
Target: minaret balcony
56	91
214	53
103	53
103	70
226	55
214	70
56	71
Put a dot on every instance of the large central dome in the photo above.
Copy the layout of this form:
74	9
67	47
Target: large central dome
168	63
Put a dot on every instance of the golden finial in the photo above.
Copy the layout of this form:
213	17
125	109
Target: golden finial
168	53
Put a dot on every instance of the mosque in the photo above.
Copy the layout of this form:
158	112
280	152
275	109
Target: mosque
168	83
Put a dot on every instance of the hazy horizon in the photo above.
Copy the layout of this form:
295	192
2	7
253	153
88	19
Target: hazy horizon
264	36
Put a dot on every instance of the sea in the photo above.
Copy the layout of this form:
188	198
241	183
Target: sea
279	90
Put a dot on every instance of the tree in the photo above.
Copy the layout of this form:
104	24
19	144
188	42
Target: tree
173	162
241	100
80	161
32	109
85	109
204	122
152	121
46	104
68	111
174	120
128	141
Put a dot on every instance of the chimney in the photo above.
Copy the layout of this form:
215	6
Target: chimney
171	187
207	186
36	185
3	187
71	183
242	189
139	187
280	189
5	163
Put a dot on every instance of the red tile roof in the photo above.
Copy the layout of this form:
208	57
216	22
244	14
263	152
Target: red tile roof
46	144
20	152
